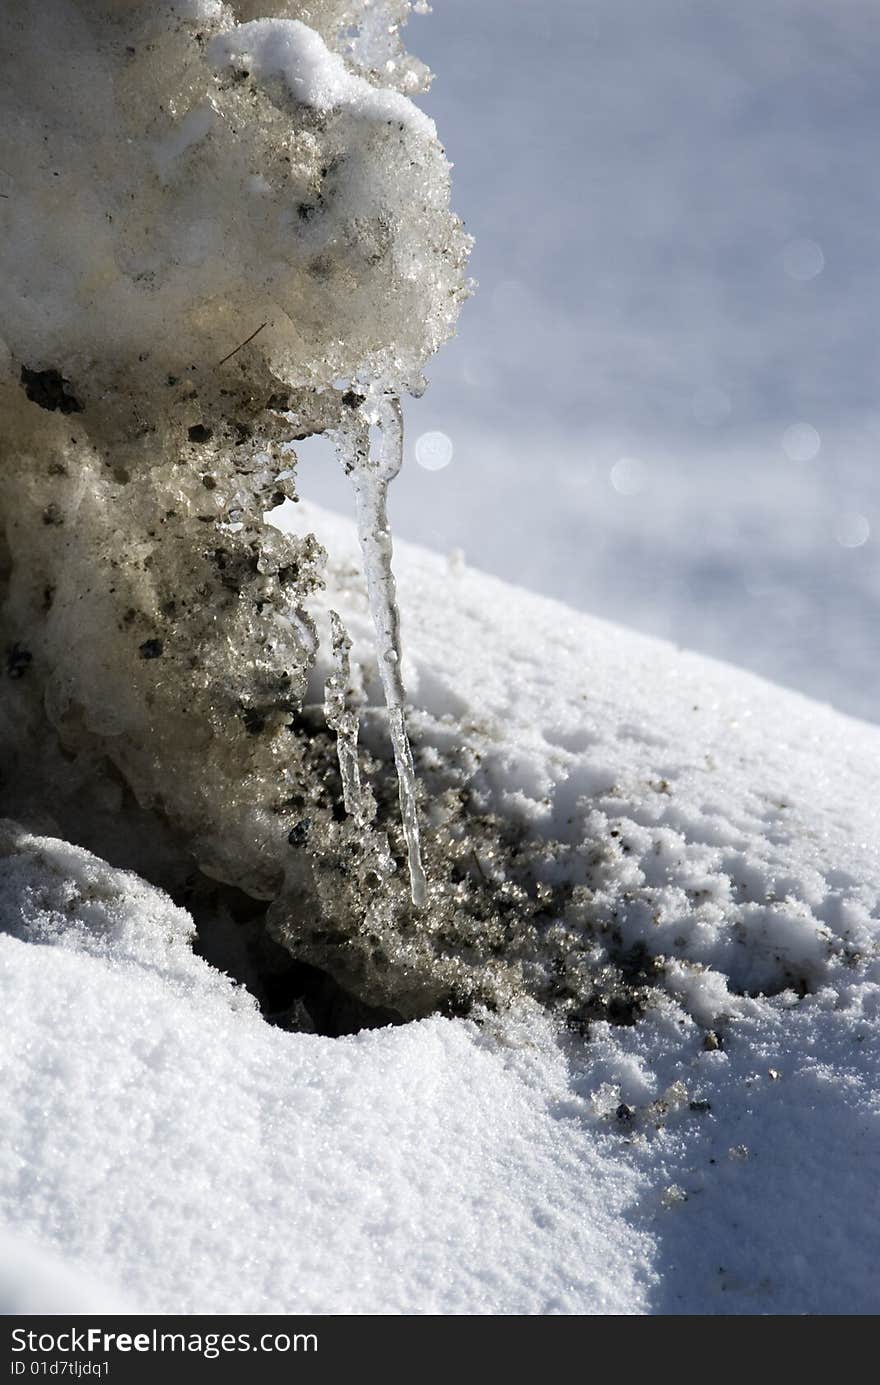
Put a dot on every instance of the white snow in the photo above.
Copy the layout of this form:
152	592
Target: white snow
163	1141
315	76
34	1281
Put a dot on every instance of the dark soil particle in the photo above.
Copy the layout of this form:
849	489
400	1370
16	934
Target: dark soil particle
299	832
18	661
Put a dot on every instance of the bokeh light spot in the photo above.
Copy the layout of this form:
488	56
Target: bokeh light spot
851	530
803	260
434	451
801	442
628	476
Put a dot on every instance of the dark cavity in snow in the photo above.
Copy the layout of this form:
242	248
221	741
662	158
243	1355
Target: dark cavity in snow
231	936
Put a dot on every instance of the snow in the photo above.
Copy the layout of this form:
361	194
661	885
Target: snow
718	1155
314	76
697	786
215	1166
234	184
254	249
34	1282
640	1069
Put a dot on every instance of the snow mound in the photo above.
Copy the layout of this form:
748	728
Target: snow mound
230	179
133	1072
163	1140
58	895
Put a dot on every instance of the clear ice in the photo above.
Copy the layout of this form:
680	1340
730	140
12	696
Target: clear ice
371	451
343	719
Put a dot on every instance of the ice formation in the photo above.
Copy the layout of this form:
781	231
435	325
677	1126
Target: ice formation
174	180
371	469
343	719
223	227
262	249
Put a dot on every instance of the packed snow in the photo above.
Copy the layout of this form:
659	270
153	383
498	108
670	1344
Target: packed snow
718	1155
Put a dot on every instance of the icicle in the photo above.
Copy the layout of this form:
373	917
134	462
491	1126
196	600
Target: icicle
343	719
371	469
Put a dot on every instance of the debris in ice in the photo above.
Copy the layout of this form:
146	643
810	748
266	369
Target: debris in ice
372	464
260	211
343	719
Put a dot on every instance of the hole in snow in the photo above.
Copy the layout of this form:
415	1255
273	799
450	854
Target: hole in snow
231	936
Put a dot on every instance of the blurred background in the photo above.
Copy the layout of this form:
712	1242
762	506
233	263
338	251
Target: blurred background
663	404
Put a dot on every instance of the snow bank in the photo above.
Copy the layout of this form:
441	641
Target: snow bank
52	893
212	1164
717	1155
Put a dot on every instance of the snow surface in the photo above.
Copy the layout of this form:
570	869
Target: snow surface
34	1281
736	826
165	1142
